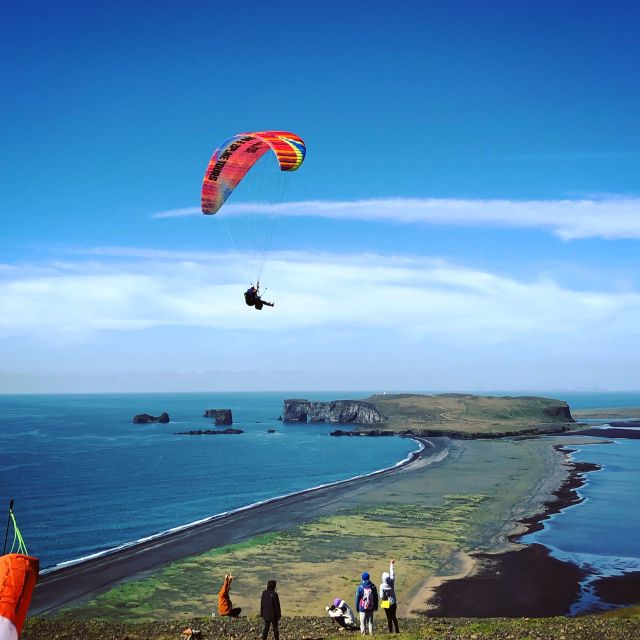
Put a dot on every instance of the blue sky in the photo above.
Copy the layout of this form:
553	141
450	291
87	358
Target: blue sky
467	217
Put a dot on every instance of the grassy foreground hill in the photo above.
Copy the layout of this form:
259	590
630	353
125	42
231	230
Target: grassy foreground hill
314	628
469	415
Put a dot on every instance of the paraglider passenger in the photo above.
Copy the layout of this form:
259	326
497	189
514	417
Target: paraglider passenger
225	608
253	299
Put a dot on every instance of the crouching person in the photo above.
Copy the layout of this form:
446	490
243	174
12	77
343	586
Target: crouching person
341	613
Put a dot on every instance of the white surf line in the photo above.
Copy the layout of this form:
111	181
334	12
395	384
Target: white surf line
413	455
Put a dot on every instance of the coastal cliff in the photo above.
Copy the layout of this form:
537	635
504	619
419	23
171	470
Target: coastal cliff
337	412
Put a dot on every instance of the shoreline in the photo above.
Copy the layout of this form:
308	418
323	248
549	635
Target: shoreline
83	578
411	457
488	589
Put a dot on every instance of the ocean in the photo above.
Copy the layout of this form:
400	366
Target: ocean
85	479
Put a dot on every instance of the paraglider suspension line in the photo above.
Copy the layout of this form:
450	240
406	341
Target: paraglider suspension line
18	545
6	533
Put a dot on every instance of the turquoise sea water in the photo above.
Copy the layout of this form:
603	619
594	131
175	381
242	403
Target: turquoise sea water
86	479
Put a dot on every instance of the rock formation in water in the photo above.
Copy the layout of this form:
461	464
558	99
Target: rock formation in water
338	412
221	416
145	418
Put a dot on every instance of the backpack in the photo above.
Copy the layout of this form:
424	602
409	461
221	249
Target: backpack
366	602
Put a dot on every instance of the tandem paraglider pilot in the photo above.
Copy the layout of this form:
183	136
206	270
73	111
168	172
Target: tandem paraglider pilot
253	299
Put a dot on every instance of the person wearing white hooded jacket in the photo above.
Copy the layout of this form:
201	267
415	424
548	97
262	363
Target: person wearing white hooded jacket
341	613
388	594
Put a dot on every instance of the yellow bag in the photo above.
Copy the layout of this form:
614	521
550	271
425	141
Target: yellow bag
385	604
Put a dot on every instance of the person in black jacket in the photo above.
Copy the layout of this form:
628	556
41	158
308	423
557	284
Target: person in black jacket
270	610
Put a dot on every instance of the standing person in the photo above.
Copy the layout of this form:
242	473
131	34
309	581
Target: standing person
366	603
270	610
388	596
225	608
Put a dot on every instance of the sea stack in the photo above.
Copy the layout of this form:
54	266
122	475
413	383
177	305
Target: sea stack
222	417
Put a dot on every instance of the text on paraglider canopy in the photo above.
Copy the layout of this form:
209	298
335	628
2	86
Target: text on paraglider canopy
224	157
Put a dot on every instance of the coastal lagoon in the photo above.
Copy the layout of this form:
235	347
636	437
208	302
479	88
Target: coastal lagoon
599	533
86	479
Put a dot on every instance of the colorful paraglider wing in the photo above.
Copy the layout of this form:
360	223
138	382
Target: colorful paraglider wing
235	156
18	576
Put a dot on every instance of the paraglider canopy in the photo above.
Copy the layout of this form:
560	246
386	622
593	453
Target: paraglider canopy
234	158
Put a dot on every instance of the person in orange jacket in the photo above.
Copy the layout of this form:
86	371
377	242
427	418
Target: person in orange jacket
225	608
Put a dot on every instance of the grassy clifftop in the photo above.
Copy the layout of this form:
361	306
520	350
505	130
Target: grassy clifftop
471	414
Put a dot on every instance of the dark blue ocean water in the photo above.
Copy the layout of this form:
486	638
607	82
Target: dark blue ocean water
86	479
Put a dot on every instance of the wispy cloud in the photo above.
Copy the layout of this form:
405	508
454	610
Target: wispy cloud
127	289
612	217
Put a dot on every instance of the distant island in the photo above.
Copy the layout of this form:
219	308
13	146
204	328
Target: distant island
145	418
449	414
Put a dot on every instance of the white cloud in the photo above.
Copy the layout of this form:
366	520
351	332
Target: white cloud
123	318
131	290
610	217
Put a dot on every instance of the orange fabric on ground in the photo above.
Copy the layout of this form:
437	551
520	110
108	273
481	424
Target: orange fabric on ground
18	576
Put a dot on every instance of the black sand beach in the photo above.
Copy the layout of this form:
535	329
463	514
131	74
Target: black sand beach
78	582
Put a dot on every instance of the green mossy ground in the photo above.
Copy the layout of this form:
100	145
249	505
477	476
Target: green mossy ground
465	413
317	628
310	562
